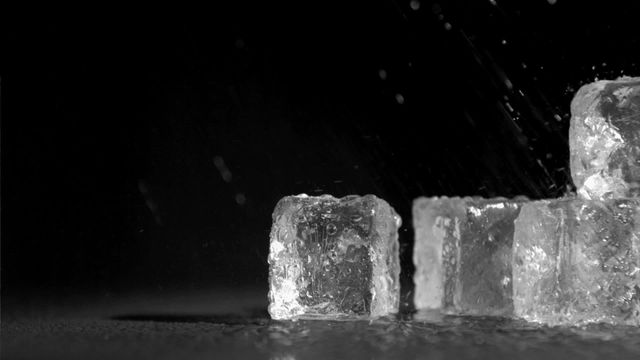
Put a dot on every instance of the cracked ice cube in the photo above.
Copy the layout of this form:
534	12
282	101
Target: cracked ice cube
462	254
333	258
604	139
577	261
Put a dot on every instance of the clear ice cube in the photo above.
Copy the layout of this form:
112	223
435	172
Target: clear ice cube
577	261
462	254
333	258
604	139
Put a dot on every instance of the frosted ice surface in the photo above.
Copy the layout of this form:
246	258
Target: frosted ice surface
604	139
333	258
435	222
578	261
462	254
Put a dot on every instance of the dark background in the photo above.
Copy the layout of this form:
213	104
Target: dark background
146	152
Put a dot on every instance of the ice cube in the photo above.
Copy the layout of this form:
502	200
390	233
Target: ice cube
333	258
462	254
604	139
577	261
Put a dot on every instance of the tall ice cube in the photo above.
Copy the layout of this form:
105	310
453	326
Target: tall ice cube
604	139
462	254
333	258
577	261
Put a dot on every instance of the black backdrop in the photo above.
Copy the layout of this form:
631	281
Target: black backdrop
147	152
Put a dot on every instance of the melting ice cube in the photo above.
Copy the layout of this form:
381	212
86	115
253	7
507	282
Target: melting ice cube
462	254
333	258
578	261
604	139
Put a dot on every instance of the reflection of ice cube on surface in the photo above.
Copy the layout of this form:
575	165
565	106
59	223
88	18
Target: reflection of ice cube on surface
333	258
578	261
604	139
462	254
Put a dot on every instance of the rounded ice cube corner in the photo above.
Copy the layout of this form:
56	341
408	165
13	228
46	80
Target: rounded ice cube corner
333	258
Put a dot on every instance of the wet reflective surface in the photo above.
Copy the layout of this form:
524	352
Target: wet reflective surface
190	327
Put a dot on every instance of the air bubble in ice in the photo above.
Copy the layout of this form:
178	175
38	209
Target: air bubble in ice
331	229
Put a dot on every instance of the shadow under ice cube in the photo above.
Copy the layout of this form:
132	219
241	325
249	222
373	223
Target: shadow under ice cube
462	254
578	261
333	258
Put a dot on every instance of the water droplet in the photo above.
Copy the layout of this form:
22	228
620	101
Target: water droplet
509	107
331	229
226	175
508	84
218	161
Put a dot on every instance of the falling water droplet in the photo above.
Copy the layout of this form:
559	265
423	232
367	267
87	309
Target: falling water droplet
241	199
508	84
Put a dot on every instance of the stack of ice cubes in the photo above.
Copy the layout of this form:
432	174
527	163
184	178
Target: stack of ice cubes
577	260
566	261
560	262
